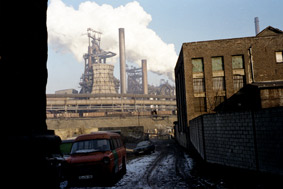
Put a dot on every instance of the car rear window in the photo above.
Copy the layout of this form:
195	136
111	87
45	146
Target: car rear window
88	146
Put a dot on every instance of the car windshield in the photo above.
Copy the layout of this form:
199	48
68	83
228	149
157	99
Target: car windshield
88	146
143	143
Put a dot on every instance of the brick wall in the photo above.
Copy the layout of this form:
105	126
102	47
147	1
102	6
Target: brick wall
250	140
196	135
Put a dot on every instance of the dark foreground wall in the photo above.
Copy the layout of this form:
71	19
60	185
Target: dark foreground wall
26	143
250	140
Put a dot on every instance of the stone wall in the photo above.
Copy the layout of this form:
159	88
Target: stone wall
249	140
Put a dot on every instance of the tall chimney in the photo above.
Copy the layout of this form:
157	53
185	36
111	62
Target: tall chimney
256	25
122	60
144	77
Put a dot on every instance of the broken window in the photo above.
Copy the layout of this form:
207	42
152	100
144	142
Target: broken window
197	65
218	83
199	104
237	62
217	63
279	57
199	85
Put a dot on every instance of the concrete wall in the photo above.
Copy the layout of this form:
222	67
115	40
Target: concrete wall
70	127
250	140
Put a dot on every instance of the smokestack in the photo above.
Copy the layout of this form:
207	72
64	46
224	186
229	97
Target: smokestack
256	25
122	60
144	77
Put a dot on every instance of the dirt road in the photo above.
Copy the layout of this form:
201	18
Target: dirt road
168	167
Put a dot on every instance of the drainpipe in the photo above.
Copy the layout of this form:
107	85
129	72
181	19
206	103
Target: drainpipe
251	64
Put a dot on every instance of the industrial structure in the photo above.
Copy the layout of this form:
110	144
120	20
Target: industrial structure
98	76
122	51
138	82
137	79
100	89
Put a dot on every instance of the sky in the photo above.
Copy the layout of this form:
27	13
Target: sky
154	30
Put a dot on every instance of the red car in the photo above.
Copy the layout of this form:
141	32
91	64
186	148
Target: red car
95	155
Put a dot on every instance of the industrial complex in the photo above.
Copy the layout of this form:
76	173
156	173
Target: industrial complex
101	92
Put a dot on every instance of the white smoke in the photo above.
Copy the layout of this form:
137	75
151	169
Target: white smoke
67	26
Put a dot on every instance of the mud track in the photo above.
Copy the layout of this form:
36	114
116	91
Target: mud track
168	169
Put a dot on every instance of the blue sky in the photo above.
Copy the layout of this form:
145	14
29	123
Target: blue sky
174	22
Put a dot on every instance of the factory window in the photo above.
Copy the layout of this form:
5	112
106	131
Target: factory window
239	82
199	85
199	104
217	63
237	62
279	56
197	65
218	84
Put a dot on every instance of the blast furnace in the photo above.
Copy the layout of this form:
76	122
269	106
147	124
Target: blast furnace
98	76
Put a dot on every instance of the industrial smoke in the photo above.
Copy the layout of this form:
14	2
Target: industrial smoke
67	26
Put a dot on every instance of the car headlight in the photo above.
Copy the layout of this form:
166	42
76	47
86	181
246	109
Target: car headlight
106	160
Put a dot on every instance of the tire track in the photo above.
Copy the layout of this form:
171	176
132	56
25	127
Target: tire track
163	169
153	166
167	170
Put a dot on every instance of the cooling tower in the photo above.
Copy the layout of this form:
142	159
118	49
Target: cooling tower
103	79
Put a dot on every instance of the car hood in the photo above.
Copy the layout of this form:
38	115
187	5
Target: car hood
86	157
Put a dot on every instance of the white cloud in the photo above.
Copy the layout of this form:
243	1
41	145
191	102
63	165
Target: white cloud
66	26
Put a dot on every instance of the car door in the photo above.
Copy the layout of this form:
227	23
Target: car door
115	152
119	152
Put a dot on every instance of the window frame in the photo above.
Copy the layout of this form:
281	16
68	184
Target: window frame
198	102
202	65
279	62
222	64
221	86
243	61
199	88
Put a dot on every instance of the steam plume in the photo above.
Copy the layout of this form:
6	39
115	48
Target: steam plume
66	28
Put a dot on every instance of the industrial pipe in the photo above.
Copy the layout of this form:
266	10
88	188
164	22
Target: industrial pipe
144	77
122	60
256	25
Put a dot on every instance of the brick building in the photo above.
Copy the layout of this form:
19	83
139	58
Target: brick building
209	72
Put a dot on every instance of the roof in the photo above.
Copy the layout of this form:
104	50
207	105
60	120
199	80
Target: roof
97	135
268	84
269	31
